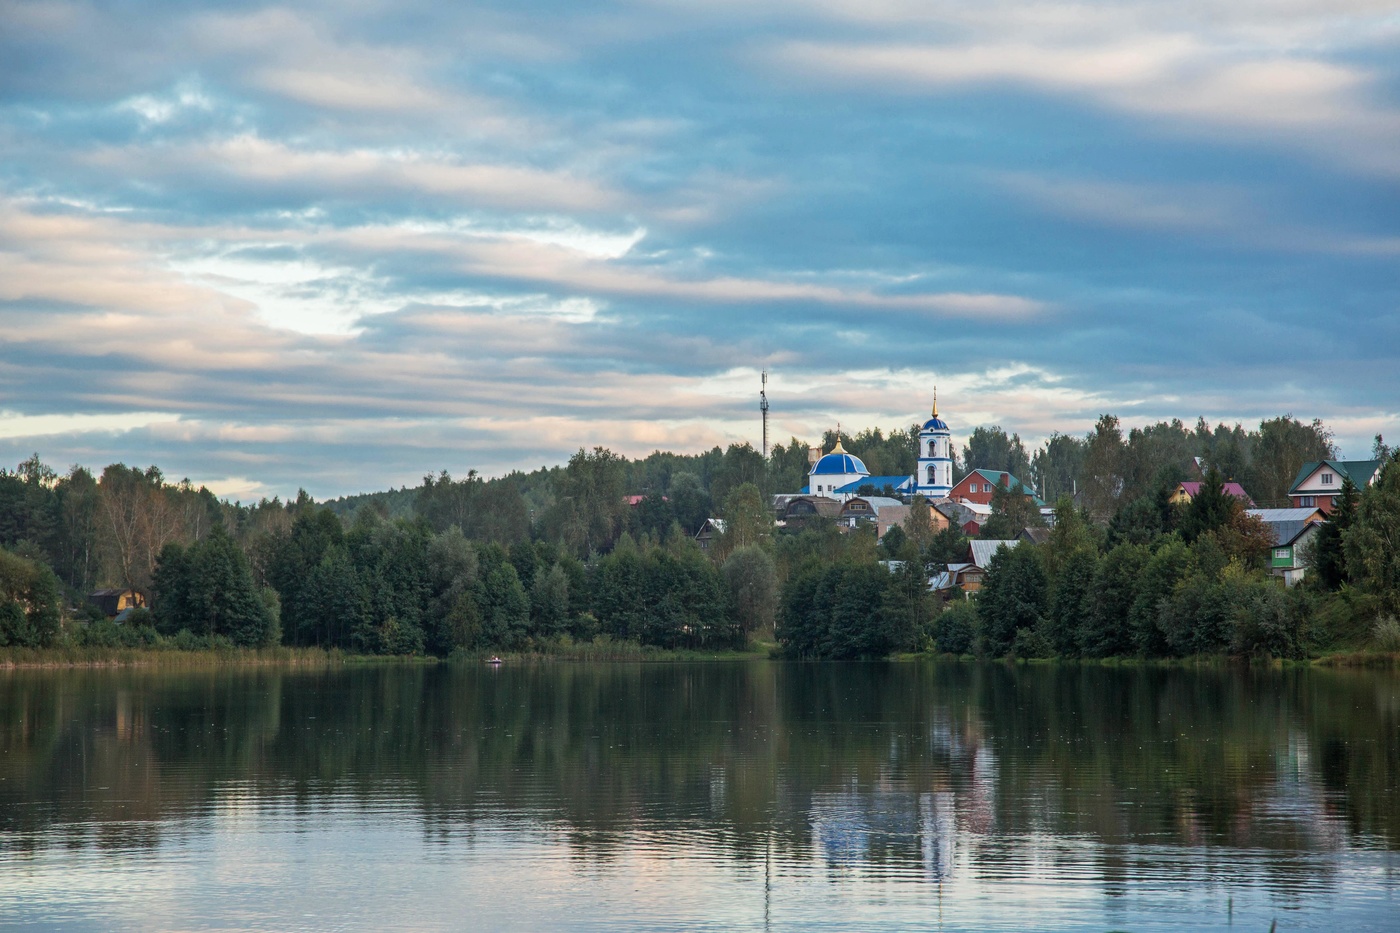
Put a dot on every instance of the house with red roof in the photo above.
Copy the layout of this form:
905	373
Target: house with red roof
1185	492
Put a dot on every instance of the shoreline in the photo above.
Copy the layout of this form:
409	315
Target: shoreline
93	658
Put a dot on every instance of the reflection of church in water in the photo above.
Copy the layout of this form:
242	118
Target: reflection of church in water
839	475
852	827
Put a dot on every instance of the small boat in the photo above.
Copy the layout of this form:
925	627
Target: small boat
493	660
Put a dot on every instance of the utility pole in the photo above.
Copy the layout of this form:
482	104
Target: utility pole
763	407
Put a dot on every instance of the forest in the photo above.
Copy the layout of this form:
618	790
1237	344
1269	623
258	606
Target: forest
603	549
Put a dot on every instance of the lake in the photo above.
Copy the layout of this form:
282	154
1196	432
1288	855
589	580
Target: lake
707	796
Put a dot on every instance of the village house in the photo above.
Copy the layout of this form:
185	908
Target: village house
1291	530
712	529
980	485
1319	484
113	602
892	515
799	509
1187	491
969	516
966	576
866	509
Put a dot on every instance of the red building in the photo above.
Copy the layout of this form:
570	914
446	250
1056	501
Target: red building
980	485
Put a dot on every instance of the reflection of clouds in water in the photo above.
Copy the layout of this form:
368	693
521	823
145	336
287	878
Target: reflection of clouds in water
851	826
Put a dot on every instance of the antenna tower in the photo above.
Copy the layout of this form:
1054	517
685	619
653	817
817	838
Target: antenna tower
763	407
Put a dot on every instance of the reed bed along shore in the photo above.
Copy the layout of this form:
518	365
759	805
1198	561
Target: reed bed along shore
89	656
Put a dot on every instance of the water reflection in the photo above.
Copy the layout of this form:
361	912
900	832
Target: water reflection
905	795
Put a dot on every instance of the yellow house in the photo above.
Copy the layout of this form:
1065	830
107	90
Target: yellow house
1185	492
114	601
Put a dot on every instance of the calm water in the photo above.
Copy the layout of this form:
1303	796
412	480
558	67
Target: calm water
710	796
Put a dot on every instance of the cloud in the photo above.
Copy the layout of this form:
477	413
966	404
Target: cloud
340	246
1144	59
1222	212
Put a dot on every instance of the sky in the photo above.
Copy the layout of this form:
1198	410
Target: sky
336	246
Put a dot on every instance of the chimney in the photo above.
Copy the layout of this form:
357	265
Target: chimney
1006	481
813	455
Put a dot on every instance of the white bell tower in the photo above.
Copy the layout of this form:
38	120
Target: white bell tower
934	479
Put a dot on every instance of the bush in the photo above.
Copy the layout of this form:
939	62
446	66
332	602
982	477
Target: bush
185	640
108	634
1385	634
1269	620
1030	643
956	629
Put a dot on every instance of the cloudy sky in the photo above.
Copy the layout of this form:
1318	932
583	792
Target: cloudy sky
339	245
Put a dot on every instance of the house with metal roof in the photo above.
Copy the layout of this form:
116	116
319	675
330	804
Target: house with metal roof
112	602
969	516
867	509
980	485
1292	530
1319	483
712	529
804	508
967	575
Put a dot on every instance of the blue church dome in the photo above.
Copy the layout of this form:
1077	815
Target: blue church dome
839	464
935	424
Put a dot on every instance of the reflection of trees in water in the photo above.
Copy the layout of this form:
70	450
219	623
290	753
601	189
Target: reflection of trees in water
867	764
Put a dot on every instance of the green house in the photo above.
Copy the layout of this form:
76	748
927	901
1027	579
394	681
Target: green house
1291	530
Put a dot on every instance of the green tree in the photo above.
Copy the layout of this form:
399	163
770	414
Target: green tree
948	546
1328	558
452	619
1057	465
1106	630
1283	446
1012	513
210	590
591	509
1071	602
500	599
957	628
549	602
1102	476
690	502
1372	543
29	602
1211	509
740	466
748	520
906	607
1069	534
751	580
991	449
1013	597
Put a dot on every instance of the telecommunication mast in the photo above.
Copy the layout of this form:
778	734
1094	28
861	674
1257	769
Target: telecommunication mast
763	407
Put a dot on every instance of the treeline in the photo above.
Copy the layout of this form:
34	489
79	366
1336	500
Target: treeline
600	546
1176	581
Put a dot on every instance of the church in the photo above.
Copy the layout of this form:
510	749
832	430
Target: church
838	474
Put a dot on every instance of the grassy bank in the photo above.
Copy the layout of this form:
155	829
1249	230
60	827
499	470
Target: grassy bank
607	649
88	656
168	657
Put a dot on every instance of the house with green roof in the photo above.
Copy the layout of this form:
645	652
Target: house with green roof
980	485
1319	483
